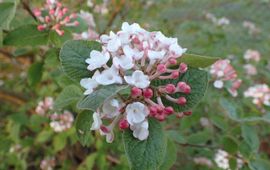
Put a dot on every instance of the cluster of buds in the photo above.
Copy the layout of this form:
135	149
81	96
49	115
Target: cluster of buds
252	55
260	94
252	28
54	16
224	75
61	122
47	163
138	58
217	21
58	122
222	160
44	106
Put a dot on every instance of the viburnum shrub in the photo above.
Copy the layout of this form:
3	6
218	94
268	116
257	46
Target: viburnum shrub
133	80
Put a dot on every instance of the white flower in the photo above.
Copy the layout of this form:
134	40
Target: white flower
111	107
89	83
138	79
156	55
218	84
140	130
165	41
177	50
97	122
131	29
136	113
114	43
124	62
97	60
135	54
109	76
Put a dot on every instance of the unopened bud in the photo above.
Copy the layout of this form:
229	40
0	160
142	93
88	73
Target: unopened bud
135	92
170	88
182	101
123	124
148	93
161	68
183	68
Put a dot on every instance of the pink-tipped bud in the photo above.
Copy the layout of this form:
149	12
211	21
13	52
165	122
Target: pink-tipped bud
135	92
148	93
179	115
104	129
59	4
60	14
47	19
41	27
76	23
161	68
160	117
67	19
168	110
73	15
183	68
65	10
37	12
187	113
153	110
175	74
159	109
123	124
184	87
170	88
60	32
51	12
182	101
172	61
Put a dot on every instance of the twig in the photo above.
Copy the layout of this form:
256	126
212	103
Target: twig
6	54
112	159
28	9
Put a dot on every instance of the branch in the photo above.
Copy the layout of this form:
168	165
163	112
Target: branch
28	9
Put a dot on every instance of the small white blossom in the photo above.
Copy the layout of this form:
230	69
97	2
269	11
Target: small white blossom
136	113
97	122
109	76
140	130
138	79
111	107
97	60
124	62
89	83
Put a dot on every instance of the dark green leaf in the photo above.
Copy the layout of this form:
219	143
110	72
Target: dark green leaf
35	73
73	55
147	154
230	145
26	35
7	13
83	124
170	156
250	136
58	40
95	99
197	61
176	136
69	95
259	164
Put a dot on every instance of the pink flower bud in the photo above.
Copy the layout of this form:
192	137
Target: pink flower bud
73	15
76	23
60	14
65	10
180	115
104	129
172	61
161	68
182	101
159	109
67	19
184	87
136	40
148	93
51	12
187	113
168	110
47	19
175	74
170	88
123	124
60	32
40	27
183	68
153	110
160	117
37	12
59	4
135	92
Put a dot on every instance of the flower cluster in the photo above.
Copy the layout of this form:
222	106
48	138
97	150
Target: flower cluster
58	122
61	122
251	27
137	58
222	160
225	76
54	16
252	55
217	21
47	164
260	94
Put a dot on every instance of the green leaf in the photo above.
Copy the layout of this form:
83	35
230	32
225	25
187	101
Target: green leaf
69	95
51	58
95	99
59	142
230	109
26	35
35	73
7	13
58	40
199	138
197	79
88	163
147	154
259	164
230	145
250	137
170	156
44	136
197	61
176	136
73	55
83	124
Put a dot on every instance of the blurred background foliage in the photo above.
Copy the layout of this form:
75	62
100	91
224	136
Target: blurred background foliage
28	74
